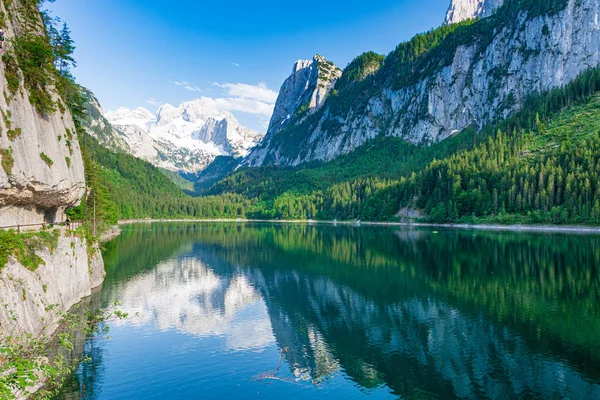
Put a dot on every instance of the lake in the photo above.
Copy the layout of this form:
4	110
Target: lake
267	311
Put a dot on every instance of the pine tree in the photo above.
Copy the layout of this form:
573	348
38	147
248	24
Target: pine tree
64	49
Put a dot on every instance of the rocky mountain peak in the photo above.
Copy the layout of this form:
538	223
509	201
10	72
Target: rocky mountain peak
461	10
183	138
479	80
304	92
301	64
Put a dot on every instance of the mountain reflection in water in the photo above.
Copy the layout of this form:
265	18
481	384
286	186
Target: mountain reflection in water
364	311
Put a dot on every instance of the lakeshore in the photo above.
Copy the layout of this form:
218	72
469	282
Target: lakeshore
114	231
574	229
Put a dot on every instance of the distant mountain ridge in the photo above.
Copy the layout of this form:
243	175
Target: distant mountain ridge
186	138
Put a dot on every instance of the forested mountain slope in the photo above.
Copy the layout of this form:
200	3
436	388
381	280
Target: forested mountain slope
540	165
469	74
536	163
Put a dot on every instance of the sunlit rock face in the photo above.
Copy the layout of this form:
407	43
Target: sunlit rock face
302	94
477	83
461	10
41	173
67	275
187	296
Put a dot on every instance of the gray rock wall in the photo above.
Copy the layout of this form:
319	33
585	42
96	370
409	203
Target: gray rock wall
308	85
461	10
485	82
33	191
69	275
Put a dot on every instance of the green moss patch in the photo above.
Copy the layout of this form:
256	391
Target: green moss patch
13	134
7	160
6	118
35	58
46	159
25	247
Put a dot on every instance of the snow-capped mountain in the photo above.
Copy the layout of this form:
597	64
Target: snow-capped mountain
185	138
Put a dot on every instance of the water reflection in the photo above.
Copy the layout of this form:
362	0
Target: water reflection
186	295
421	314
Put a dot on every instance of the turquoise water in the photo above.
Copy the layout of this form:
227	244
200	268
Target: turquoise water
260	311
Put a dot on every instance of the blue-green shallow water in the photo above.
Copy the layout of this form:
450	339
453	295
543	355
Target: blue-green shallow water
358	312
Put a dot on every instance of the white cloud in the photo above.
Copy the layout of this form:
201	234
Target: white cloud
235	64
193	88
187	86
250	106
153	101
258	92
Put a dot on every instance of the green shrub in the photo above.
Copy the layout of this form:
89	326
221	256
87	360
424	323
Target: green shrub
8	244
25	247
6	118
36	61
11	72
13	134
8	162
46	159
302	111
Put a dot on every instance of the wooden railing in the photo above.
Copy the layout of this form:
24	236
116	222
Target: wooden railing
70	226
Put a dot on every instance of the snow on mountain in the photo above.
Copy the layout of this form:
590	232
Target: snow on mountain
184	138
139	117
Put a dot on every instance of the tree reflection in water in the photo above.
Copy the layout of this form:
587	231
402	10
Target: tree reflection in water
462	314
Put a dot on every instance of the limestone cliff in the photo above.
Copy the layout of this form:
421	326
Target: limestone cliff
42	169
41	175
32	300
461	10
304	92
477	74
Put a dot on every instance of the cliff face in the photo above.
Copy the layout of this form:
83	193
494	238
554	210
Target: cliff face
42	169
68	275
304	92
301	95
41	175
471	79
461	10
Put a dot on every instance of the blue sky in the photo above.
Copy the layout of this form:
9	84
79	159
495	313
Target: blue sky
147	52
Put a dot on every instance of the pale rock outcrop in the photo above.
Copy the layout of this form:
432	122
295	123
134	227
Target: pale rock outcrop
42	171
485	81
305	90
302	94
461	10
69	275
